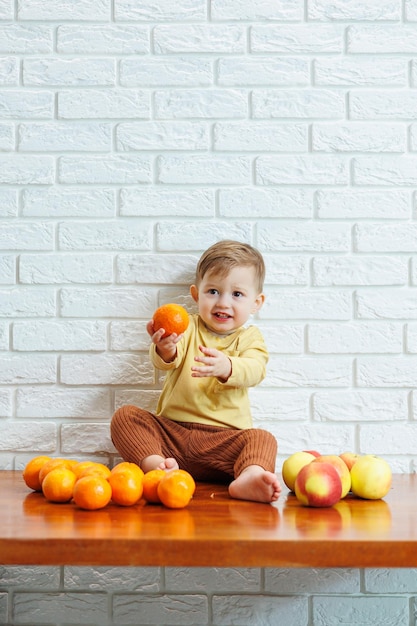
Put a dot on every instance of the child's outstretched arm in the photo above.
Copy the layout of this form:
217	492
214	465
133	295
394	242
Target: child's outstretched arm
166	347
214	363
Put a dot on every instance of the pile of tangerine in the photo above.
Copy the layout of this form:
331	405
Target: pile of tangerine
92	485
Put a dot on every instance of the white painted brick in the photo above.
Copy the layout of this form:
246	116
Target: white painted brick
127	335
8	203
386	304
359	338
7	269
361	406
59	335
151	268
301	170
127	234
9	69
26	369
211	38
168	71
386	372
312	580
328	610
200	103
218	170
26	236
67	202
361	72
54	402
146	399
216	579
306	236
162	136
411	340
263	71
414	271
297	38
401	170
381	38
23	302
26	170
286	270
111	103
355	204
123	169
7	136
362	270
251	202
143	579
178	203
65	268
4	607
15	576
255	136
388	439
282	338
395	580
380	104
63	137
28	436
304	305
380	237
107	302
279	405
102	39
5	402
285	10
411	10
88	10
19	104
354	10
69	72
326	438
86	438
306	371
171	236
4	337
21	38
246	609
106	369
168	609
300	104
90	608
151	11
6	9
359	137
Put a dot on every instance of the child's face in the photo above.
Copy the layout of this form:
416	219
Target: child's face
225	303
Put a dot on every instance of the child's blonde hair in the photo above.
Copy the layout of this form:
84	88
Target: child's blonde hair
224	255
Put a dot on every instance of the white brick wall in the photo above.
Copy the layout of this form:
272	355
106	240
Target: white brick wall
133	134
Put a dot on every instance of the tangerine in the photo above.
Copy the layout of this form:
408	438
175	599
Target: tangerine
51	465
97	469
31	472
176	489
58	485
173	318
126	484
92	492
126	465
80	466
151	481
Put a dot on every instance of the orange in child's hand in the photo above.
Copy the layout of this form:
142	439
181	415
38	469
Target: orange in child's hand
58	485
173	318
151	481
176	489
31	472
92	492
126	484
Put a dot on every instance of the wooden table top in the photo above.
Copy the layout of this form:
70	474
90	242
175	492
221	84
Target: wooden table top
213	530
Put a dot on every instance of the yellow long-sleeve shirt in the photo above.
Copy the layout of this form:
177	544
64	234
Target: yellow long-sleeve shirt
207	400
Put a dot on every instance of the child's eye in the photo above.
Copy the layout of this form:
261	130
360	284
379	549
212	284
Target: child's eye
213	292
237	294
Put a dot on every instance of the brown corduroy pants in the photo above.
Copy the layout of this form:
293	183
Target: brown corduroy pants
209	453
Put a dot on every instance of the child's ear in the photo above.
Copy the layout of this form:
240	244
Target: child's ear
194	292
258	303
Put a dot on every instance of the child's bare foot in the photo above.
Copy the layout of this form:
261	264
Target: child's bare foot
168	464
256	484
155	461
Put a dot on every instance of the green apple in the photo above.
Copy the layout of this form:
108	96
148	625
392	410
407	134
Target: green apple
371	477
292	465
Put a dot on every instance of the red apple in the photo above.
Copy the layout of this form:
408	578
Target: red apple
318	485
341	467
350	458
313	452
292	466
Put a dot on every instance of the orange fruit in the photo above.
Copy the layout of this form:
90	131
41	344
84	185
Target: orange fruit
151	481
126	465
92	492
80	466
176	489
53	464
173	318
98	469
31	472
126	484
58	485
